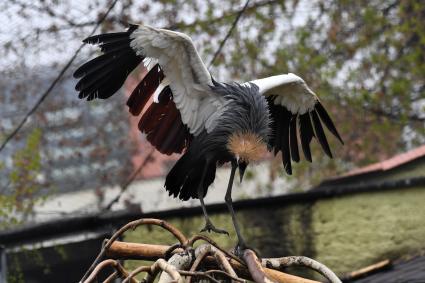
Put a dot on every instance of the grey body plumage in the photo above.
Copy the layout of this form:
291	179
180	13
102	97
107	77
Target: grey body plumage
245	111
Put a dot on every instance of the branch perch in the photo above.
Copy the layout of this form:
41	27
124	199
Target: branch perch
280	263
207	261
133	225
120	270
255	267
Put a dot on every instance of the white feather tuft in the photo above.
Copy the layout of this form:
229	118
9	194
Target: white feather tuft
291	92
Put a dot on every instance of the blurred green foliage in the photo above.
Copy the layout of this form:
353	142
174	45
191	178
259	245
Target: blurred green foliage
17	204
364	59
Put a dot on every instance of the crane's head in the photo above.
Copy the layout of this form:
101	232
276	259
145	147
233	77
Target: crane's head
244	125
246	147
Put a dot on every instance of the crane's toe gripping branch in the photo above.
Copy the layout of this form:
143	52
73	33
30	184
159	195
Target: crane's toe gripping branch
210	227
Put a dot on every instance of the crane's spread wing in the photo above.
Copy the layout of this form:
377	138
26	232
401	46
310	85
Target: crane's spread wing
175	92
293	104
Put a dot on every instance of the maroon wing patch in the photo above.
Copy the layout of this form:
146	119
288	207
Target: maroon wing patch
161	121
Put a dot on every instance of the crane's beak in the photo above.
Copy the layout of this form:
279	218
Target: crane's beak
242	167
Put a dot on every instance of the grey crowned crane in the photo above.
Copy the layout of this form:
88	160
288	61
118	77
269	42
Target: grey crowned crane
184	110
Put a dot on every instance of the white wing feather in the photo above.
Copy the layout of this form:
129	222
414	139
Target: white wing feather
290	90
185	72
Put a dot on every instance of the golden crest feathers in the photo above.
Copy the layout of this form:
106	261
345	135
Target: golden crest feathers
247	146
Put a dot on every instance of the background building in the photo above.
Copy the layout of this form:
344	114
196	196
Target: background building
345	223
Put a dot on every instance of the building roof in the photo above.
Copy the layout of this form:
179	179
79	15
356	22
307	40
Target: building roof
367	173
405	270
158	166
388	164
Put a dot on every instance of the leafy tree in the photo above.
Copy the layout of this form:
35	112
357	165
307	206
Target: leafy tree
365	59
24	186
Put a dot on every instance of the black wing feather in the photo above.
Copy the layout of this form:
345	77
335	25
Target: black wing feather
306	134
284	132
115	46
324	116
106	37
110	37
104	60
92	78
278	130
102	76
293	139
320	134
286	155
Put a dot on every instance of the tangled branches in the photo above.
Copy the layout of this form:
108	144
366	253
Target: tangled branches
186	262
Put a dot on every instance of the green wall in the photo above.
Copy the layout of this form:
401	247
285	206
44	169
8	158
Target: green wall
358	230
345	233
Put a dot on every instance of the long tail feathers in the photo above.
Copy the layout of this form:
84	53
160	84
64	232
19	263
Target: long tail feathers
184	178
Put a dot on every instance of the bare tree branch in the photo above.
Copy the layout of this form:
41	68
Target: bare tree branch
255	267
280	263
109	262
133	225
186	260
235	22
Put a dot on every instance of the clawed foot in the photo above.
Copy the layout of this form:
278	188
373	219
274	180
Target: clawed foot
210	227
241	247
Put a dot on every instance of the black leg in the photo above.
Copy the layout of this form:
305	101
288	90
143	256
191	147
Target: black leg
228	199
208	224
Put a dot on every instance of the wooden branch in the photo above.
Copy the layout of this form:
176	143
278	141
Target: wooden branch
109	262
202	251
178	262
121	250
193	274
111	278
124	250
196	238
286	278
369	269
183	260
206	274
133	225
255	267
137	271
170	271
280	263
224	262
